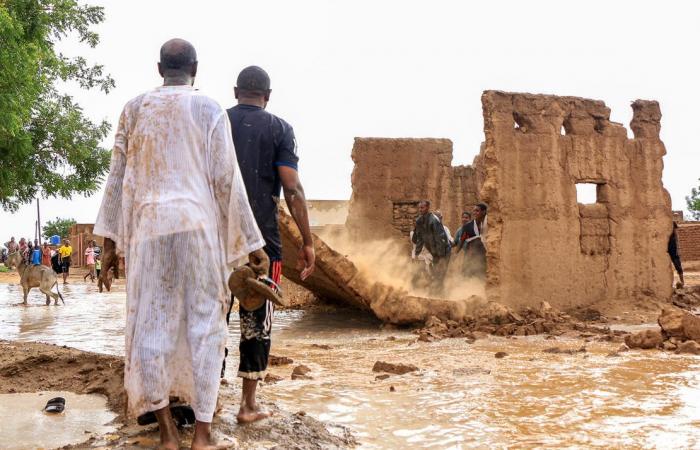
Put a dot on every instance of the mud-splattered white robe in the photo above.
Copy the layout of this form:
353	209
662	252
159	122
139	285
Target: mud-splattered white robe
176	206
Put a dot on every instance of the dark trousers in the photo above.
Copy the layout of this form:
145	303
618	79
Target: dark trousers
440	264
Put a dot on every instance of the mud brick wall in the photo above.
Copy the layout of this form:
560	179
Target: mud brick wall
542	244
405	216
689	241
390	175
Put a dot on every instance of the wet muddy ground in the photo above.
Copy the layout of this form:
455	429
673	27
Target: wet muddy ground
461	396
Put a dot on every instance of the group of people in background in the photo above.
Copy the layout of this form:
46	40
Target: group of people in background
434	244
59	259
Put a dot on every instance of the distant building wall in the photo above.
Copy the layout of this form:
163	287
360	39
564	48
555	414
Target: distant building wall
392	175
324	212
689	241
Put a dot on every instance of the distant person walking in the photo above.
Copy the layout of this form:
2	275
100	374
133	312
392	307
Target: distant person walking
98	265
12	245
266	150
46	255
675	254
65	252
430	233
90	261
24	250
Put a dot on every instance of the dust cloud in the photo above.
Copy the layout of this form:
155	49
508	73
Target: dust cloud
389	262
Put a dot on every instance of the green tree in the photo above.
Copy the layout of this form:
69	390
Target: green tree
693	201
58	227
47	146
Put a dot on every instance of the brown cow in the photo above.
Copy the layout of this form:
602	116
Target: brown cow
35	276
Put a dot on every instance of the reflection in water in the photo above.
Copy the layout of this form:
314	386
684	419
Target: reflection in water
462	397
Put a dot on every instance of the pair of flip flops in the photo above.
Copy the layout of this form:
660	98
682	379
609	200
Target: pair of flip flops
55	405
183	415
252	290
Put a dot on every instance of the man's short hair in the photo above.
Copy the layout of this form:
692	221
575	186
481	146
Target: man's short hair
253	80
177	55
482	206
466	213
425	202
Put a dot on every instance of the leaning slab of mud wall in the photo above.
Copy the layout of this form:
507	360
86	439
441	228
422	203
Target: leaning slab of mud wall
542	244
336	278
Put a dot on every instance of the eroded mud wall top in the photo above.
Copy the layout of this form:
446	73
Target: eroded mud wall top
392	175
542	243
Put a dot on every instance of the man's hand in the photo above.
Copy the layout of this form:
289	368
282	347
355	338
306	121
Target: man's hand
306	261
259	262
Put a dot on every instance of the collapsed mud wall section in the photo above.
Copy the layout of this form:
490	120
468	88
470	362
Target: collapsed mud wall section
544	245
336	278
392	175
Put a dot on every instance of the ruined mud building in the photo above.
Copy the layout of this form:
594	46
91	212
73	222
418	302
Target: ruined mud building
542	244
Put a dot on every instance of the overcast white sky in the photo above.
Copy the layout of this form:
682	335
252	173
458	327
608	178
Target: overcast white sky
404	69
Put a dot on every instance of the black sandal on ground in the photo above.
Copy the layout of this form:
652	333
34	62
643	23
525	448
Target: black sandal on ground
55	405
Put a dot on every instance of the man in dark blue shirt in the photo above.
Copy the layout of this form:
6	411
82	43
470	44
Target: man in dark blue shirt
267	155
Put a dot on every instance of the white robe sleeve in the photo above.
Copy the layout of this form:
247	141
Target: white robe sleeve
109	221
237	226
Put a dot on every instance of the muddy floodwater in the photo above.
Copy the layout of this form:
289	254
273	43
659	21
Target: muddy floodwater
461	396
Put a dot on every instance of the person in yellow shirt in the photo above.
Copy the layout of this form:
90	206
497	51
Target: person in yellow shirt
65	251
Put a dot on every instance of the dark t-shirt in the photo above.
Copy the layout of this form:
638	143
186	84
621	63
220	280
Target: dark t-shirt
263	142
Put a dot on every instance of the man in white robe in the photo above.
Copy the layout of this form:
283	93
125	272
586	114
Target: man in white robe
176	208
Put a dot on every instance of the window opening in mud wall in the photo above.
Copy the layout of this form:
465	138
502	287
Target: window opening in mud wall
594	217
404	216
586	193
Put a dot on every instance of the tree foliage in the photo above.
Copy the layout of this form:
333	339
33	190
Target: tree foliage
58	227
693	201
47	145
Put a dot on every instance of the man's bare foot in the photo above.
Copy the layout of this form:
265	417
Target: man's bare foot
169	437
247	415
203	439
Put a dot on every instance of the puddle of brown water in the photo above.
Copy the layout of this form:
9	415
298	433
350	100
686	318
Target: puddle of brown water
24	425
462	397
